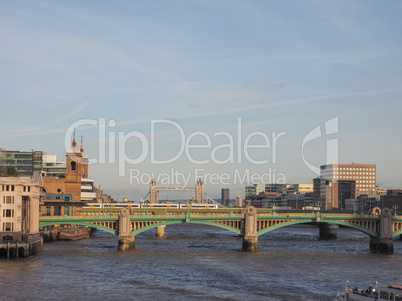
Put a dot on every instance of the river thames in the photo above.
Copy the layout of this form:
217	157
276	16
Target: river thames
195	262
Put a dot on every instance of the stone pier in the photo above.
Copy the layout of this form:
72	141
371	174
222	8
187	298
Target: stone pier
328	231
384	243
160	231
250	239
126	241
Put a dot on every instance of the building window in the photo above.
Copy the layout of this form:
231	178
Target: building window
29	188
7	187
12	187
8	238
8	227
8	212
8	199
73	166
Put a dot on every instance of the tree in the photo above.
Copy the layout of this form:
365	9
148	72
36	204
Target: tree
8	172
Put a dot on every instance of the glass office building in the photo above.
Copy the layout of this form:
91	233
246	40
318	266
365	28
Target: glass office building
26	163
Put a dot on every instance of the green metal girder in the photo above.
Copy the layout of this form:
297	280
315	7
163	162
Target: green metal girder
327	220
183	221
209	223
262	232
395	234
44	224
133	233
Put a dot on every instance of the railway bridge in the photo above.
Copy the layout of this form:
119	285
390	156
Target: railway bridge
248	222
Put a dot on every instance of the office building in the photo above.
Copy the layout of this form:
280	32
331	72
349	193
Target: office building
26	163
225	196
336	180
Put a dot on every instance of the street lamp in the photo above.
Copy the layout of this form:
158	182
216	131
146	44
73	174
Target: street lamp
395	207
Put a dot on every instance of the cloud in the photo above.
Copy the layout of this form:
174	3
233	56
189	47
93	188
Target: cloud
29	131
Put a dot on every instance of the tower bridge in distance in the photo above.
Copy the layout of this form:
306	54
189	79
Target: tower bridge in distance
249	223
154	191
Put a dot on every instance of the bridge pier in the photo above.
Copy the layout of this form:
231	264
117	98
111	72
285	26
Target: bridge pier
250	238
160	231
328	231
384	243
126	241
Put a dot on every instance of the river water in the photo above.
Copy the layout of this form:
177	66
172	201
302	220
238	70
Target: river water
195	262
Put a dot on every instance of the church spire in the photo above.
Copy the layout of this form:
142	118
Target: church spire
74	142
82	147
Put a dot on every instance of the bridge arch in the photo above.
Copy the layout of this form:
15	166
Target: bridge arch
85	224
208	223
369	232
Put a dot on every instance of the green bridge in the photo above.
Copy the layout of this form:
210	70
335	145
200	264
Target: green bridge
248	222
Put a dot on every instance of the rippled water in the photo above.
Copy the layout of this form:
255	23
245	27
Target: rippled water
196	262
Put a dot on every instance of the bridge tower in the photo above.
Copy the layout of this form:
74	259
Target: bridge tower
154	192
384	243
199	191
250	238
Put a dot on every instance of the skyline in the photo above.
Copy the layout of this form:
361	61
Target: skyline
277	66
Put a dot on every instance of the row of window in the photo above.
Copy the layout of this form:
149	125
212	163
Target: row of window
358	177
8	227
355	168
12	188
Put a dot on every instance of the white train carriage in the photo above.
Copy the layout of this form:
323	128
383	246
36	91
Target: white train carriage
199	206
111	205
160	206
93	205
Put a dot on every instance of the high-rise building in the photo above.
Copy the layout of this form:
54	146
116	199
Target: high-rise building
239	201
225	196
334	175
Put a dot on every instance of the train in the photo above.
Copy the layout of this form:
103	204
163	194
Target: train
149	206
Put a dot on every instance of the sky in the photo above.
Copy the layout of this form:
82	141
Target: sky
233	92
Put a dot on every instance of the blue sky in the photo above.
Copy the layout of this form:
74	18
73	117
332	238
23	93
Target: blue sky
279	66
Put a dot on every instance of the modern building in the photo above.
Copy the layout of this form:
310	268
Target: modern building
225	199
334	175
253	190
299	188
26	163
278	188
19	214
88	190
270	200
316	191
51	167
